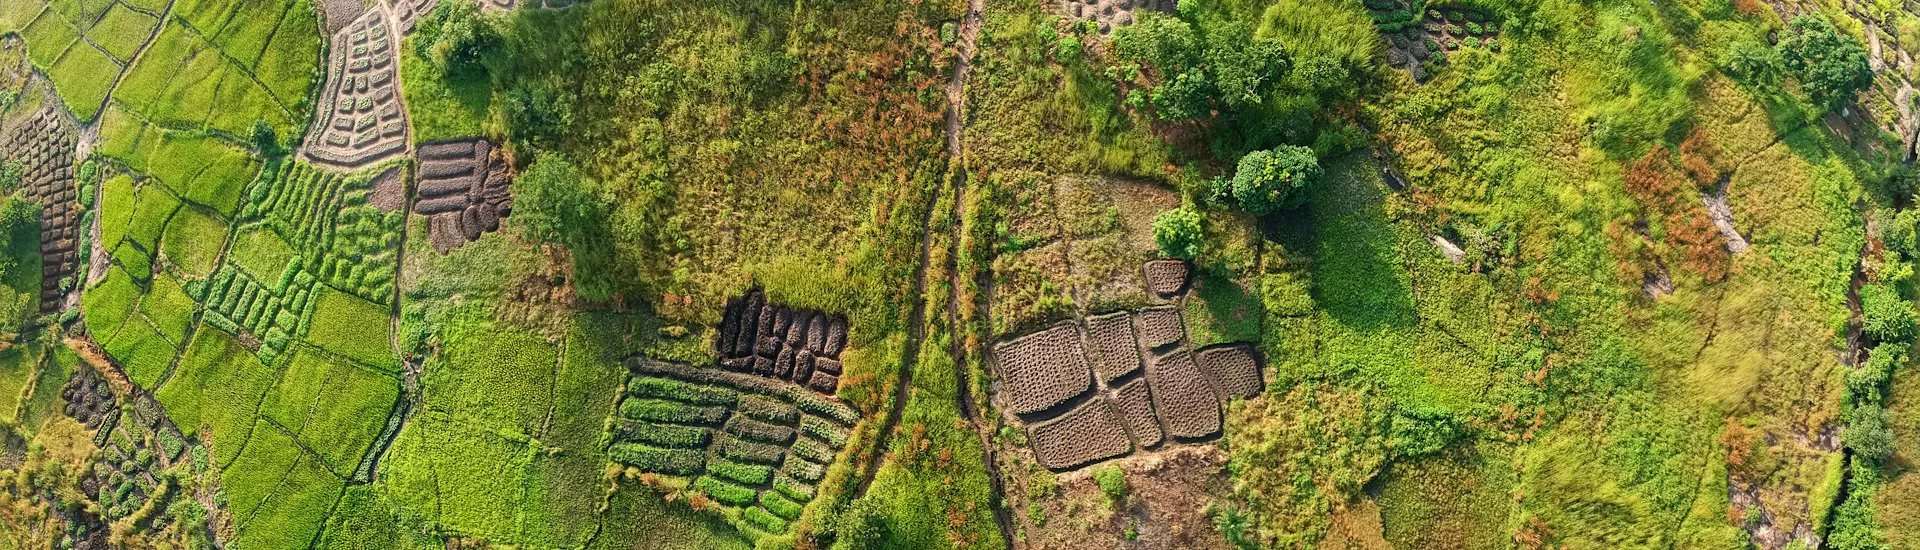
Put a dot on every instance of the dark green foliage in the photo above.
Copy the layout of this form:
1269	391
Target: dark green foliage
1178	232
1421	431
780	505
1832	67
726	493
1867	432
1886	316
1277	179
813	450
554	203
744	474
1854	526
662	388
666	461
1752	62
824	429
671	411
754	430
738	449
459	39
1864	383
665	435
1228	70
768	410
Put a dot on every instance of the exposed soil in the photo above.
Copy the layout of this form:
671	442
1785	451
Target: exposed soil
1167	495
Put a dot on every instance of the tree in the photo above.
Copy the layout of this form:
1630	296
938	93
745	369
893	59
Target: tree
1276	179
1867	432
459	39
1178	232
1886	317
1831	67
551	201
1752	62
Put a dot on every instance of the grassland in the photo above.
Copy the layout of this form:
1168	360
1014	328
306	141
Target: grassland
353	327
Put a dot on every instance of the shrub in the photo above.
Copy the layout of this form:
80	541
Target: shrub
1832	67
1113	483
1864	382
1474	29
1178	232
1267	181
666	461
744	474
1472	42
1887	316
862	527
1752	62
726	493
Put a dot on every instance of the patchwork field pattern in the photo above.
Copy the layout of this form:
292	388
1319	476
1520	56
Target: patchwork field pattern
463	189
1112	14
755	444
1088	402
137	445
409	12
45	146
767	339
363	120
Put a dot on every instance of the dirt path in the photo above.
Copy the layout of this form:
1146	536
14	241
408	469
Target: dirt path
956	163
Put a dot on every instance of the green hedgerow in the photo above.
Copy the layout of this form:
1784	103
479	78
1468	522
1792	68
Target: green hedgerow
1864	383
744	474
1178	232
1887	316
780	505
666	461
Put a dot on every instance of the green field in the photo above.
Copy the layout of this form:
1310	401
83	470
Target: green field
352	327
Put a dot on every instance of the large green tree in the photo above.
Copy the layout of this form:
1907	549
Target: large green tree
1832	67
1275	179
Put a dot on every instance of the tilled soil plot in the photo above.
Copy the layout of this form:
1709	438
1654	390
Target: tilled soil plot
45	144
463	187
1112	14
363	119
776	341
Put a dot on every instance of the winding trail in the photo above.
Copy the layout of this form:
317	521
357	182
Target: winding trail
956	92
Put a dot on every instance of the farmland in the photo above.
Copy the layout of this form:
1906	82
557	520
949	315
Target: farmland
981	274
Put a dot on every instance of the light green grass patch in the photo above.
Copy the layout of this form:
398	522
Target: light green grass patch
18	366
252	477
153	208
192	242
335	407
45	403
216	390
48	37
497	377
121	31
565	488
248	27
261	252
651	522
80	12
83	76
106	305
291	64
366	519
464	477
353	327
117	202
169	308
15	16
143	351
440	109
20	297
292	517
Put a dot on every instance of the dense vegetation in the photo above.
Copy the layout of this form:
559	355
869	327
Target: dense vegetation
1541	274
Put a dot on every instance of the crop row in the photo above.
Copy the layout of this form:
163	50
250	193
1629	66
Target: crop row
664	435
683	462
661	410
807	401
665	388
